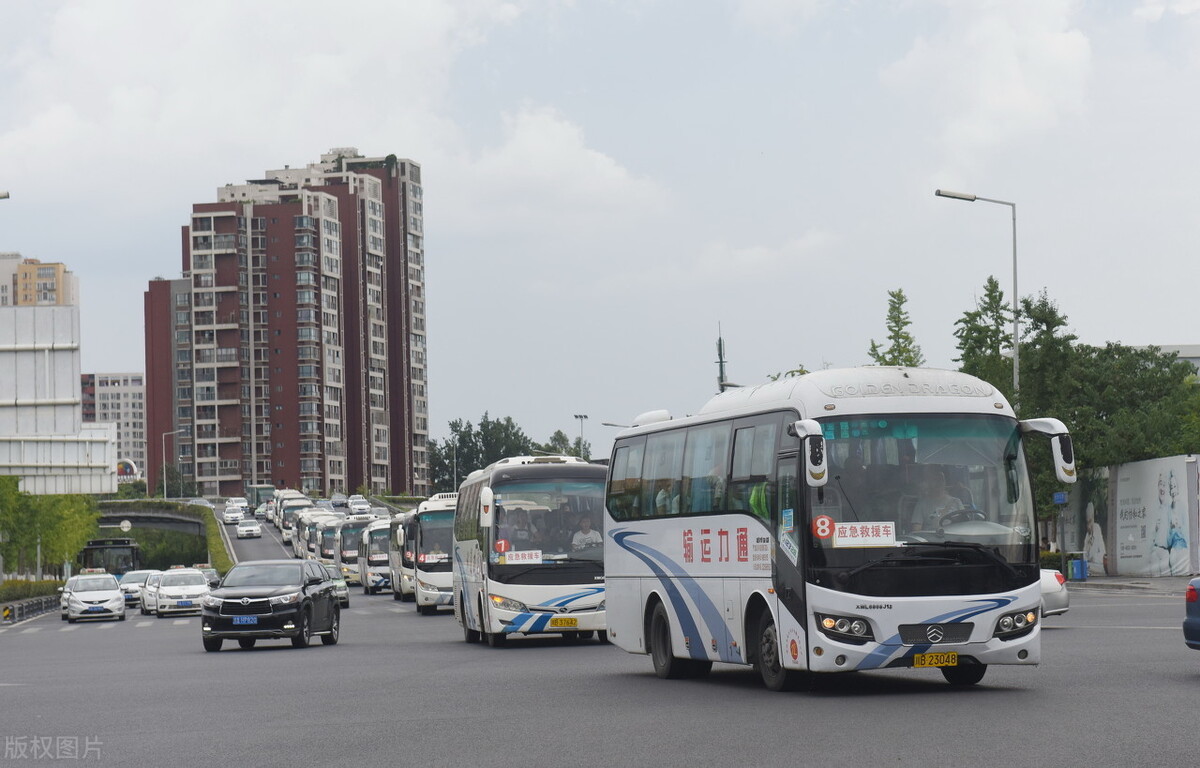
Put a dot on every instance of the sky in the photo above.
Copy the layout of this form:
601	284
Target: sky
610	184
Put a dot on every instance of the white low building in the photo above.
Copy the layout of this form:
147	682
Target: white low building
43	439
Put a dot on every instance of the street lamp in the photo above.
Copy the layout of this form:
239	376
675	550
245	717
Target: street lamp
1016	342
582	417
164	461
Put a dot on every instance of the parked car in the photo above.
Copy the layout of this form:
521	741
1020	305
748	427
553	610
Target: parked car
1055	598
249	529
1191	618
95	596
272	599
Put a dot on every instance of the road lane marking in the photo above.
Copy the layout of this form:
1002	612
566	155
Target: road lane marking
30	629
68	629
143	623
177	622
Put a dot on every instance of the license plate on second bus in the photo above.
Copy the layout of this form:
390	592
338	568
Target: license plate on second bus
563	621
935	659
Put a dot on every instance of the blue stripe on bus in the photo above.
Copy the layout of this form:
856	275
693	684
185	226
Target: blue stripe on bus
708	611
880	655
543	619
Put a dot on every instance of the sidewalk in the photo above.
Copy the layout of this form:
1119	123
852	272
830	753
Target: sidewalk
1155	585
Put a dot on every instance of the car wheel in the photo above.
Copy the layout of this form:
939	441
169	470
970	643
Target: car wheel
63	616
335	627
346	603
121	617
769	657
142	610
158	613
247	642
212	644
302	639
71	620
967	674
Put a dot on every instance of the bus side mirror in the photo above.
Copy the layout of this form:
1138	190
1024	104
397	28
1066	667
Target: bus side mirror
486	507
813	441
1060	445
400	537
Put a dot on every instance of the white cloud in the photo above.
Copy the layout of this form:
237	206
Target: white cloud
996	72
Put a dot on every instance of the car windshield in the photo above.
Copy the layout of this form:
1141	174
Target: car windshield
193	579
95	584
135	577
248	524
263	575
333	573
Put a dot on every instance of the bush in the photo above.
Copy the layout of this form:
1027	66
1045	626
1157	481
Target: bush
12	589
1053	560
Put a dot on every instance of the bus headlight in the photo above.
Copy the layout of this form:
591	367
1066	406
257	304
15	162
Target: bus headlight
847	629
505	604
1012	625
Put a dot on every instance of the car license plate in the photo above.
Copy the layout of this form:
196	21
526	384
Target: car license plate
935	659
95	609
245	619
562	621
185	603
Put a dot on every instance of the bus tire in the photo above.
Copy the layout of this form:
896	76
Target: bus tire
769	659
662	654
493	639
967	674
397	596
602	636
469	635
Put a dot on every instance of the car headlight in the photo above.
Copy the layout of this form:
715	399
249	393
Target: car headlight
507	604
288	599
208	601
119	600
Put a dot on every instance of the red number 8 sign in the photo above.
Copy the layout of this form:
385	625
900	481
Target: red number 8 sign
822	526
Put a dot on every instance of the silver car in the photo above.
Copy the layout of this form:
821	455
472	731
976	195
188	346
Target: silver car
95	596
1055	598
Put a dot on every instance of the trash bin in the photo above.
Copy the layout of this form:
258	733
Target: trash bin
1077	566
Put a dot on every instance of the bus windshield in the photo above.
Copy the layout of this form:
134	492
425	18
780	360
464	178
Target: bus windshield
927	484
377	545
547	524
434	537
351	536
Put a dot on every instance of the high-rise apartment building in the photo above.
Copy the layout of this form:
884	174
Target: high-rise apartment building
292	350
119	398
30	283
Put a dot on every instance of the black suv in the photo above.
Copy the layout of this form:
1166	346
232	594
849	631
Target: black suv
272	599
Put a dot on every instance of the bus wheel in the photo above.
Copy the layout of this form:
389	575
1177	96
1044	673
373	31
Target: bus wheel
769	658
397	596
967	674
666	665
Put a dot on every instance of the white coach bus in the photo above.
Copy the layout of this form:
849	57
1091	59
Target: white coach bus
428	535
528	550
842	520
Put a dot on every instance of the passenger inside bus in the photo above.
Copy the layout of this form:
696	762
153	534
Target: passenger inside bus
586	537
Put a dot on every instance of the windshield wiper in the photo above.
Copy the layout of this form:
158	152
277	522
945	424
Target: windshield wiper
994	555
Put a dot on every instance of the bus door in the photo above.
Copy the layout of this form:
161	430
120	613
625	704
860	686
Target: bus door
787	570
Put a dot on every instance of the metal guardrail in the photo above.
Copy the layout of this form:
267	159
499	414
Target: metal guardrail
19	610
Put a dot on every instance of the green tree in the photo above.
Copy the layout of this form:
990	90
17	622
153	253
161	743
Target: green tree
902	349
61	524
984	337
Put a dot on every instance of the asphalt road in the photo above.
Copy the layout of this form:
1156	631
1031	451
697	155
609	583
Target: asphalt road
1116	687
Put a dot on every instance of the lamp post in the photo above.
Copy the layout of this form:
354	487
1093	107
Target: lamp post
582	418
1016	340
164	460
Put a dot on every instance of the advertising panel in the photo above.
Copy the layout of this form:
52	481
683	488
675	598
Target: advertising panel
1153	519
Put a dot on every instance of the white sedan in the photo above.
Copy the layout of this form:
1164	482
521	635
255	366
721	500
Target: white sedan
1055	598
232	515
95	596
180	591
249	529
